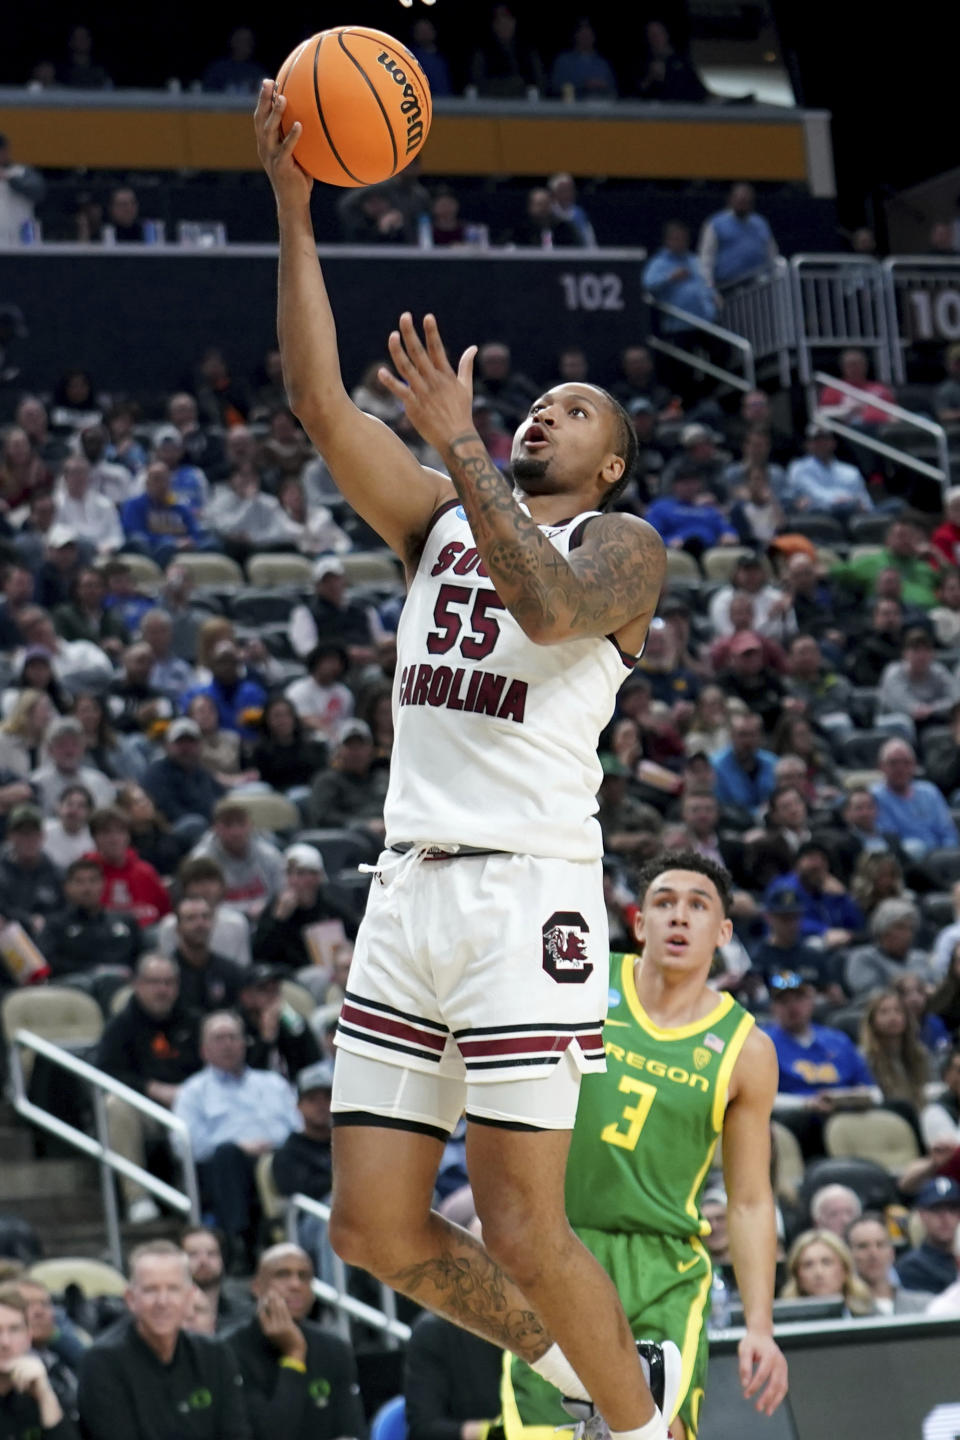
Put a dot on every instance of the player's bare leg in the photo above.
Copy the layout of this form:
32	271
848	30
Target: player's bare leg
514	1289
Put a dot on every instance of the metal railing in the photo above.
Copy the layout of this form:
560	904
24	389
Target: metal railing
761	310
923	303
922	423
334	1292
747	380
840	301
186	1202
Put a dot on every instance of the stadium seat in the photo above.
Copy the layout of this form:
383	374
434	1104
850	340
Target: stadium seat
863	705
272	1203
821	529
869	529
371	565
937	908
878	1135
298	997
119	998
218	570
682	566
943	866
269	811
789	1162
268	570
57	1013
861	779
873	1183
720	562
257	608
342	849
861	749
146	573
93	1277
390	1421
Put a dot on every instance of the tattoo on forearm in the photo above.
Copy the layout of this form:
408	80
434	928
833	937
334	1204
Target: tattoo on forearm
463	1283
616	577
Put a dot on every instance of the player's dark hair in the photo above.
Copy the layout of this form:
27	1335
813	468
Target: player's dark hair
685	860
625	445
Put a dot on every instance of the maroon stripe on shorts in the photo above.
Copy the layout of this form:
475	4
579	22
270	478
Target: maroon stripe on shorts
383	1025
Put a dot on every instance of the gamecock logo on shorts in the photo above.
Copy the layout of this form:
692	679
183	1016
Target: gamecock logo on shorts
565	948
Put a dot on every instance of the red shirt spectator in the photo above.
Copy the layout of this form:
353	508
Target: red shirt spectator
130	885
853	370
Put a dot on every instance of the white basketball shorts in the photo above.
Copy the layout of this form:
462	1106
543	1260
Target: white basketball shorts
476	970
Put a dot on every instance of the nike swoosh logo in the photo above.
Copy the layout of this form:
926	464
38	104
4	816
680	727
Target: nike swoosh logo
624	1024
684	1265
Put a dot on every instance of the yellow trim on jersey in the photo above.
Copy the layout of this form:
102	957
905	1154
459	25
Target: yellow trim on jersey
730	1057
681	1032
513	1426
690	1204
694	1326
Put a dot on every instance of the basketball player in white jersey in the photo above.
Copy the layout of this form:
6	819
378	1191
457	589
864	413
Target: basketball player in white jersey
479	981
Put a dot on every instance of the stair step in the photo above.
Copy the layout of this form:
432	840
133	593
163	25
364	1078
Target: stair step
28	1180
16	1143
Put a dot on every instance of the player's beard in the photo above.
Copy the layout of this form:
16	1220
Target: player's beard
527	472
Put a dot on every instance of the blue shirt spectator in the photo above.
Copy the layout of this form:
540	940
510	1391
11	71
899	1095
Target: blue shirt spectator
590	75
188	484
223	1107
913	810
819	481
811	1057
745	774
826	908
424	46
237	73
674	276
736	242
684	520
231	690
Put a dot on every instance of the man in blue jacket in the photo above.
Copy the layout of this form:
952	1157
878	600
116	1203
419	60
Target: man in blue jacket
686	520
827	909
155	525
674	275
736	242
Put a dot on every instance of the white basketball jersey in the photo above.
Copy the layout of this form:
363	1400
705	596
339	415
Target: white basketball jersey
496	737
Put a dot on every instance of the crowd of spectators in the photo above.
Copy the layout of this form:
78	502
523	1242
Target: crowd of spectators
795	714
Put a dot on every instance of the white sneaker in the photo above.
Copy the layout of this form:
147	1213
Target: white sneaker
143	1211
663	1371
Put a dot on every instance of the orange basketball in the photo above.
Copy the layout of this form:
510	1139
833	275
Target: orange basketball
363	102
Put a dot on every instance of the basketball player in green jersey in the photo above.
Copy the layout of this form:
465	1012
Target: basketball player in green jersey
686	1067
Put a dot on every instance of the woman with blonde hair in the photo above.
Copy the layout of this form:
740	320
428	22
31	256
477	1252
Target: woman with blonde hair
21	734
821	1266
892	1048
877	876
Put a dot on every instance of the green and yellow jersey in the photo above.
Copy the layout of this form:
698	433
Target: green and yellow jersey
645	1137
647	1130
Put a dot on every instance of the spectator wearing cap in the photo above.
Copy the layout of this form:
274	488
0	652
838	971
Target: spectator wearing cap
188	483
932	1264
152	1046
83	937
180	785
130	885
283	933
65	751
818	481
828	910
772	610
871	1250
747	677
698	449
252	868
904	551
352	791
685	519
30	883
233	1115
87	515
331	617
320	698
278	1036
917	686
894	925
157	525
674	277
303	1163
745	774
58	570
814	1060
232	691
736	242
784	948
913	810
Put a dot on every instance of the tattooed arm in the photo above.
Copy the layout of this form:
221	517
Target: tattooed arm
614	577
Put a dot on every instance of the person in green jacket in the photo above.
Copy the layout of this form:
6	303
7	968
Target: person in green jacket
906	550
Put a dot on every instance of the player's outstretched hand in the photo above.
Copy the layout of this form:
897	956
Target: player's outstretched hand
438	401
763	1371
289	181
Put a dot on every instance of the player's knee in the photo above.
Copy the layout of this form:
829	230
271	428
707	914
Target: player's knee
367	1241
518	1240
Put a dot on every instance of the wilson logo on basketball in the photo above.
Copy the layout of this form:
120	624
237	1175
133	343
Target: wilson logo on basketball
410	105
564	948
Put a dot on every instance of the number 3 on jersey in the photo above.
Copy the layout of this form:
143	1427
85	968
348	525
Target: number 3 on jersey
634	1115
485	629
